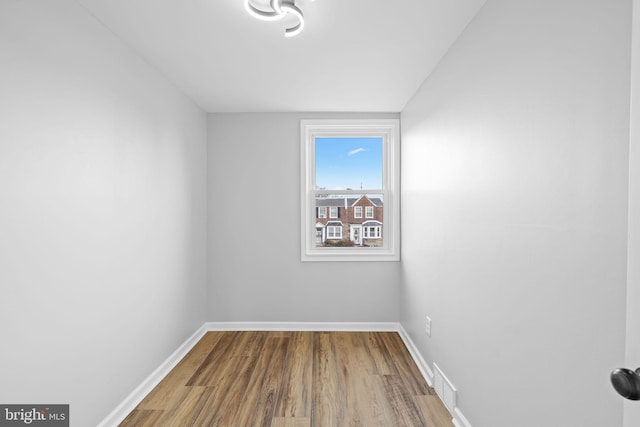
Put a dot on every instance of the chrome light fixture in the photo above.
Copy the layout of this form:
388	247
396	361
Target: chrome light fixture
279	9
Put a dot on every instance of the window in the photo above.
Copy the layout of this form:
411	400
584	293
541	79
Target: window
369	211
322	212
372	230
334	232
347	163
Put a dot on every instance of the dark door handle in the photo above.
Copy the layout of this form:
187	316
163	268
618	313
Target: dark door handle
626	382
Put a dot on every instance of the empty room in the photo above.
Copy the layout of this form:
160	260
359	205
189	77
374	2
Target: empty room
320	213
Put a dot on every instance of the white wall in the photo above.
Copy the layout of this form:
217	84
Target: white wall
255	272
514	209
102	212
632	409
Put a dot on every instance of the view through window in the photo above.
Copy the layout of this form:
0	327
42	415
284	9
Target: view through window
349	164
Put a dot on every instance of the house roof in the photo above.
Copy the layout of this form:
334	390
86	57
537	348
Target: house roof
329	201
339	201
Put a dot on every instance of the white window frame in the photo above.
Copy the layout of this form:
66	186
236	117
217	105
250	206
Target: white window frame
355	211
334	236
371	232
322	212
333	209
368	209
389	131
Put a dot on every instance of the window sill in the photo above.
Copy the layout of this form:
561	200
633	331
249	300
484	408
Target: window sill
350	255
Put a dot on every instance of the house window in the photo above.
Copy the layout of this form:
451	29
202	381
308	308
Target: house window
344	163
322	212
369	211
334	232
372	232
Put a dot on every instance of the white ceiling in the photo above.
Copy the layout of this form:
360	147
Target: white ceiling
353	55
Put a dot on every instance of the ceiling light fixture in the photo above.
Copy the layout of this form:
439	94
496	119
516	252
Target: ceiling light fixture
280	9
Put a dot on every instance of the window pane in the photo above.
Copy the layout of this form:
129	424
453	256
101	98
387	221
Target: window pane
348	163
369	212
344	227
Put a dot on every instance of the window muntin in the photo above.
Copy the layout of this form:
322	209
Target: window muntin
354	139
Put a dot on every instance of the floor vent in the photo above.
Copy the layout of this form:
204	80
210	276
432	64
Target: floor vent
445	390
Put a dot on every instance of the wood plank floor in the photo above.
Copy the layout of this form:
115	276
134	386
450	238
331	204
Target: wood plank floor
293	379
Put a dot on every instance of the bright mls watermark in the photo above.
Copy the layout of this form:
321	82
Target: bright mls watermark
34	415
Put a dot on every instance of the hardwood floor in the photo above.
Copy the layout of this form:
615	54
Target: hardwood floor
293	379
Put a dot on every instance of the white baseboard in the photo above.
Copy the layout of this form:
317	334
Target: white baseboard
304	326
427	373
135	397
458	419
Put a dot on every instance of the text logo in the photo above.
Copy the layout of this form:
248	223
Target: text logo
34	415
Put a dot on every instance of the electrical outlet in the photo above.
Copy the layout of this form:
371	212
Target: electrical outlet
428	326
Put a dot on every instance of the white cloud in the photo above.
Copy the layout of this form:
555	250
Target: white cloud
356	151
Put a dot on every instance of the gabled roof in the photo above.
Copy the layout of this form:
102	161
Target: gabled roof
376	201
339	201
329	201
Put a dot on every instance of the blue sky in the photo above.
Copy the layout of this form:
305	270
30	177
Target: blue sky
349	163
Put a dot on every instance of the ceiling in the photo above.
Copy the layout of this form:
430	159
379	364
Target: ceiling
353	55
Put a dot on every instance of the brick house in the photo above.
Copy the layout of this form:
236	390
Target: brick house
355	219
